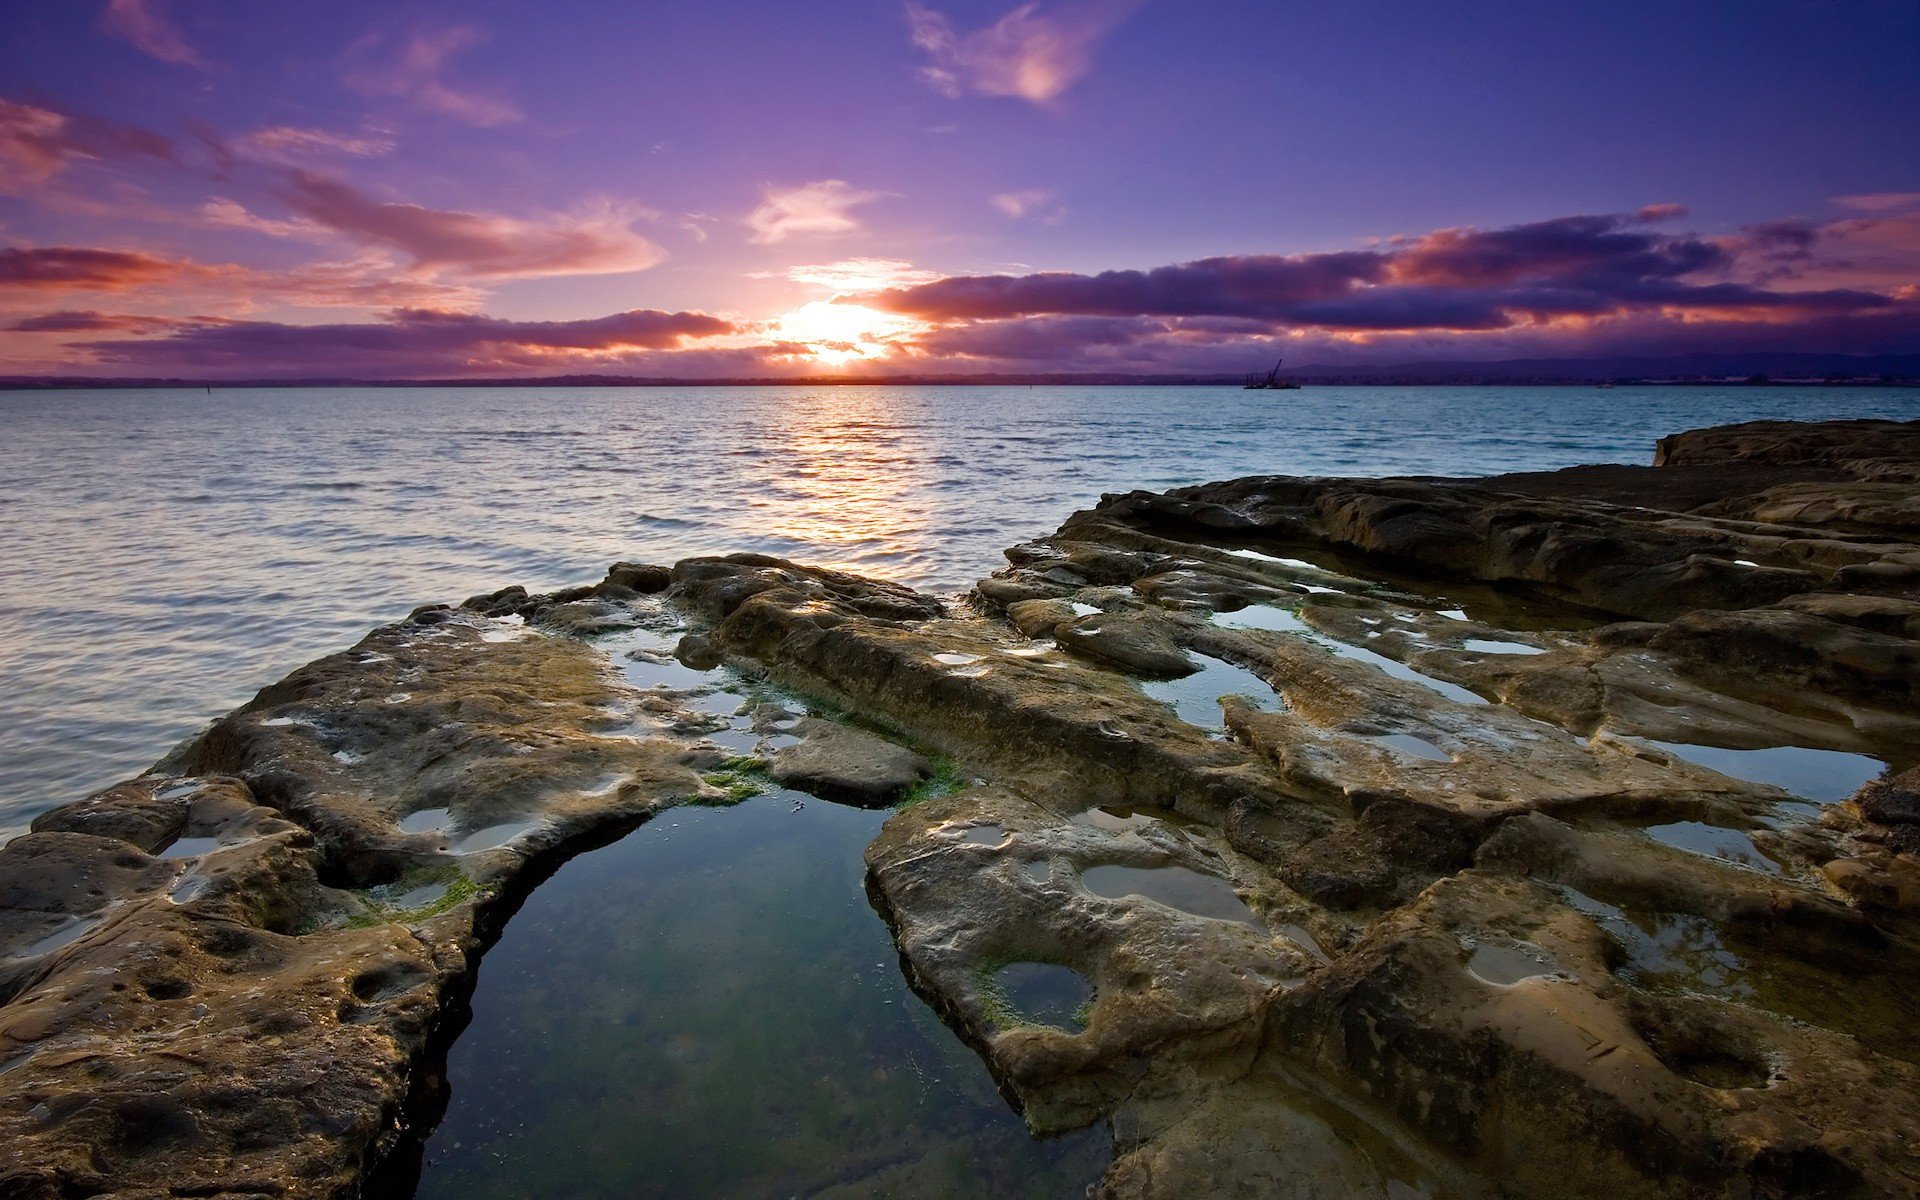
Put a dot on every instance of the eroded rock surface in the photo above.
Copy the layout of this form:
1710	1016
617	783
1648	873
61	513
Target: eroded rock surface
1324	837
223	976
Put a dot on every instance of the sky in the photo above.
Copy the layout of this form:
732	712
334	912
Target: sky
748	188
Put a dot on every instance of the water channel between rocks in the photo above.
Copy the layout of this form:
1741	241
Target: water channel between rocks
710	1008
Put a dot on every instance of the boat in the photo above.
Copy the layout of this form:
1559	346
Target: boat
1271	381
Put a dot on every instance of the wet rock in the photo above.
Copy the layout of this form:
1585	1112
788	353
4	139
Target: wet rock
1441	906
201	990
644	578
838	762
1134	646
1893	801
1039	618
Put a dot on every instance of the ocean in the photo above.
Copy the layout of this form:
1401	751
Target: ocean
169	552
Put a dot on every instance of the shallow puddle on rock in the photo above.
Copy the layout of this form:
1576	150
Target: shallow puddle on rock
1680	952
1176	887
492	837
956	660
1084	610
1195	698
1040	870
427	820
984	835
416	898
67	934
715	1011
1299	564
1406	743
188	888
1037	650
190	847
1504	964
1114	818
1044	994
1274	619
1493	646
1824	775
1713	841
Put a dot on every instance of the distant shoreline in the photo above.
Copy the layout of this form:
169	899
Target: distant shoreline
1569	381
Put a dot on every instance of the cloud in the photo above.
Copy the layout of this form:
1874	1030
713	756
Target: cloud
1247	285
410	68
37	275
228	213
817	209
862	274
1026	53
1879	201
37	145
407	343
596	241
1581	284
1040	205
282	143
85	268
1579	267
91	321
142	23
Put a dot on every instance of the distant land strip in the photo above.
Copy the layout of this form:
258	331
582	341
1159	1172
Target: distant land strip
1774	369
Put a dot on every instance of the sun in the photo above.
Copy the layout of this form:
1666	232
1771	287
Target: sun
835	333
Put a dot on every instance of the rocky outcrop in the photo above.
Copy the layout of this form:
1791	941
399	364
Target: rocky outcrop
223	976
1322	837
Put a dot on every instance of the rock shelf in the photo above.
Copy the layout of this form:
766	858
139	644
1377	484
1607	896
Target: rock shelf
1445	897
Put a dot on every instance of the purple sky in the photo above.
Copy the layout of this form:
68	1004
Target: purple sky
217	188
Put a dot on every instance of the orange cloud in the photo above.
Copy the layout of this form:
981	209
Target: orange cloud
598	241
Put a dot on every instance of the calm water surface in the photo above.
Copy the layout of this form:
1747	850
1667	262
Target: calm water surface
709	1009
168	553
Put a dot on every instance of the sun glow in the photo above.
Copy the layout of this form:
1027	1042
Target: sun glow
836	333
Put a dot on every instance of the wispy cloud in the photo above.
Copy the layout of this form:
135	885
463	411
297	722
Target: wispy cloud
409	343
67	268
1035	204
286	143
30	276
1027	53
94	321
598	240
861	274
37	145
227	213
810	209
411	68
149	29
1879	201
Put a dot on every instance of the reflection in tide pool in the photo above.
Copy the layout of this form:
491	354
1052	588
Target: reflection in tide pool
1814	774
1195	698
710	1008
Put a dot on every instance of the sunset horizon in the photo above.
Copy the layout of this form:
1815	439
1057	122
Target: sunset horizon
902	190
960	600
